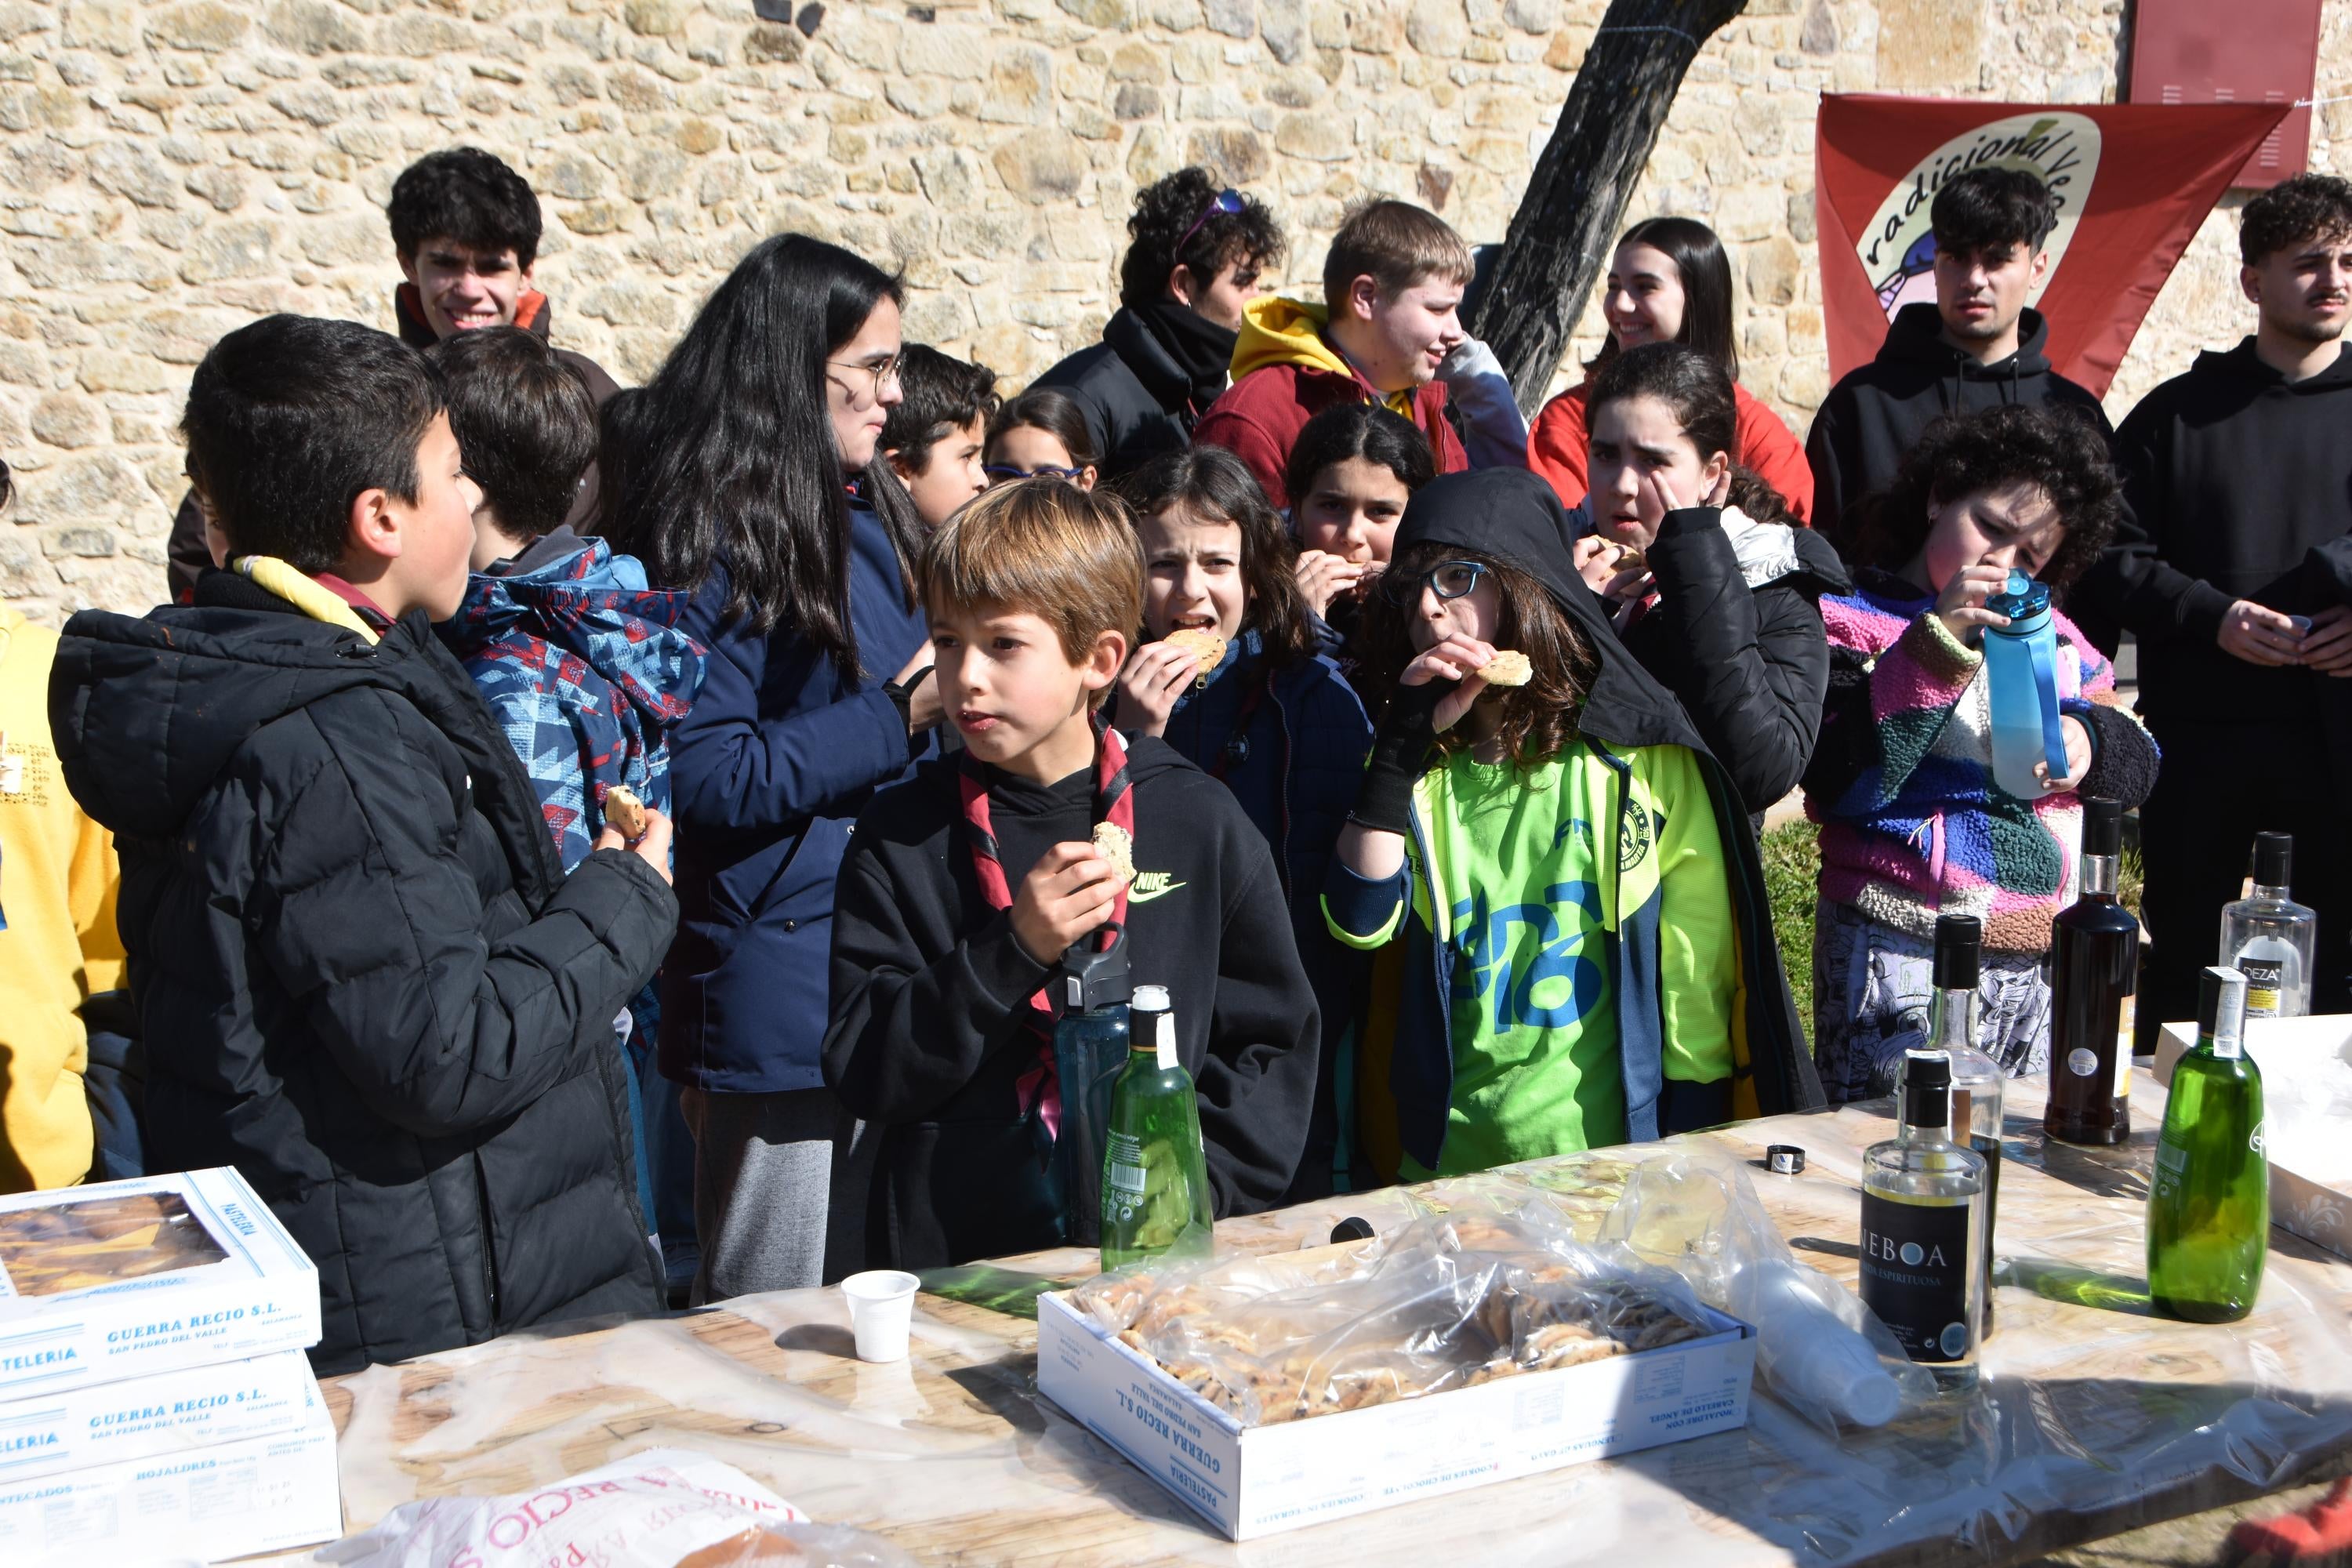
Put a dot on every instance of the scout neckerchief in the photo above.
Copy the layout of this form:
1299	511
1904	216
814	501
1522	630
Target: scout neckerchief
1038	1089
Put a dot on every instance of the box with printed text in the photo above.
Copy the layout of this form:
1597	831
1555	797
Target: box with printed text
150	1275
148	1417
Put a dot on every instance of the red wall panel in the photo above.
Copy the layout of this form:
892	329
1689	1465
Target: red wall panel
2233	51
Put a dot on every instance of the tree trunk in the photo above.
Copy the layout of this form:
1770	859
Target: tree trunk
1568	220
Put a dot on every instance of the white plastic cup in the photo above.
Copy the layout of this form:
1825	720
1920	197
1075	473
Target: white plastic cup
881	1306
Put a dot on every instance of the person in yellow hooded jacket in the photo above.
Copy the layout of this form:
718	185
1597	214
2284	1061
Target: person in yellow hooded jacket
1393	278
58	941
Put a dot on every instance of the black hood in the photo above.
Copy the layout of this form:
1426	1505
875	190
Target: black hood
148	711
1916	337
1515	516
2243	364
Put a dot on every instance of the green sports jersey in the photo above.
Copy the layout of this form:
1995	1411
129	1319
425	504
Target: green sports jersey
1531	868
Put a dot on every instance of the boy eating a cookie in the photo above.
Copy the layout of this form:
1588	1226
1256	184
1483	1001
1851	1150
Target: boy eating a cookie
964	889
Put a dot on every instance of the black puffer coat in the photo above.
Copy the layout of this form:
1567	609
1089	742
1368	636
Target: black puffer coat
363	978
1144	386
1748	659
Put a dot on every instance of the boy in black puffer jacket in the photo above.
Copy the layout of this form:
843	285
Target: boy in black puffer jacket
364	979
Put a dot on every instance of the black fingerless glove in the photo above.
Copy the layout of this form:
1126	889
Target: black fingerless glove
1400	749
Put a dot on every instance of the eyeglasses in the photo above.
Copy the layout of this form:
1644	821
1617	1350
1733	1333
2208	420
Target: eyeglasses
884	372
1004	473
1227	202
1447	580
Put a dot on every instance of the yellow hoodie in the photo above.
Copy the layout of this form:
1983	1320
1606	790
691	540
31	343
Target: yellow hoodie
1290	331
58	882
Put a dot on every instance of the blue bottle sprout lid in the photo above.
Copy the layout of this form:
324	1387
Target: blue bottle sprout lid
2020	597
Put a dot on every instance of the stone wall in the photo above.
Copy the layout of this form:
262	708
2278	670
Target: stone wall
168	171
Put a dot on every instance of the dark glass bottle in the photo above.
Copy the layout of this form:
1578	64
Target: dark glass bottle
2095	969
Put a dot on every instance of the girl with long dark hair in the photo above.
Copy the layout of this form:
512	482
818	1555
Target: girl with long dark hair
1274	720
751	478
1670	282
1707	581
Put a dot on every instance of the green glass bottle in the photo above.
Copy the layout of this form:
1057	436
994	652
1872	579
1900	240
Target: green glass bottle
2209	1202
1155	1187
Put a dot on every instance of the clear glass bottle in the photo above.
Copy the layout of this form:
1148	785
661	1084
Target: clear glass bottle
2268	938
1155	1182
1978	1082
2209	1200
2093	971
1924	1229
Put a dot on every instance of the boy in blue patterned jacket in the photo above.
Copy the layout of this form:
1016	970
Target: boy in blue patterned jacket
580	661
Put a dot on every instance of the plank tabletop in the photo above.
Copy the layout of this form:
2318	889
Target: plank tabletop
2094	1416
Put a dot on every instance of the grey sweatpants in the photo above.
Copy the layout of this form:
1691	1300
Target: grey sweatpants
1872	985
779	1183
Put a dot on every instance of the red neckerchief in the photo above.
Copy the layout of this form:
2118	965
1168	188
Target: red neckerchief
372	611
1114	802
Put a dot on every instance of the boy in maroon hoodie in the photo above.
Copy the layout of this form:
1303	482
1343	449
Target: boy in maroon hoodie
1392	281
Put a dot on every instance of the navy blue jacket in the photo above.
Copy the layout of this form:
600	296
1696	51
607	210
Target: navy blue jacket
781	751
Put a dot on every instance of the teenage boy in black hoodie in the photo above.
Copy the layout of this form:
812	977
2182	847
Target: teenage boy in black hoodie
1977	347
964	887
364	979
1193	261
2239	477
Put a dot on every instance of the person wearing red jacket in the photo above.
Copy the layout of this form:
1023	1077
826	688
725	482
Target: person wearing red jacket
1393	278
1670	282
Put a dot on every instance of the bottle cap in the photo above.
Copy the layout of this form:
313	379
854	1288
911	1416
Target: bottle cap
2222	1008
1784	1159
1959	938
2103	825
1927	1089
1149	999
2020	598
1352	1228
1093	978
2274	859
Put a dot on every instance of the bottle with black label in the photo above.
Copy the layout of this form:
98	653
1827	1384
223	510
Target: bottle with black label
2093	971
1978	1082
2268	938
1923	1229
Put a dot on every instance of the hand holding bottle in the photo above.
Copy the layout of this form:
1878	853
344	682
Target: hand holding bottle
2079	756
1961	606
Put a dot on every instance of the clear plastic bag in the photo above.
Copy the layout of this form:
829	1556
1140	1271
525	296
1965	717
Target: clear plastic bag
1484	1290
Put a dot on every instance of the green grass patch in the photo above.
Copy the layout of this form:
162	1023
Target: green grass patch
1792	870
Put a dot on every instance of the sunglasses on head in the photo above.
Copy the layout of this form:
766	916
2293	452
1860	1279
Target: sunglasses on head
1227	202
1001	473
1447	580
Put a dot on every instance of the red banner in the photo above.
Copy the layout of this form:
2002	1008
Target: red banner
2133	182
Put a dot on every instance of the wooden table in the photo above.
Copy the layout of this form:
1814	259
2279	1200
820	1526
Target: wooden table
2092	1419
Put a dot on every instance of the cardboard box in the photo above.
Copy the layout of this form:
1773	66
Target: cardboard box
2310	1155
263	1494
148	1417
1254	1481
152	1275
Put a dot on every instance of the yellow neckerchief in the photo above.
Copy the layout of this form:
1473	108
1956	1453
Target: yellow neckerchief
305	593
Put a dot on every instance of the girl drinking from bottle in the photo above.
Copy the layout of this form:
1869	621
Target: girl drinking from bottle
1260	709
1912	823
1588	955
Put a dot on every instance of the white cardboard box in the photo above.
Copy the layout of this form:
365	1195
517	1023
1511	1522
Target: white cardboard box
212	1277
148	1417
263	1494
2311	1162
1255	1481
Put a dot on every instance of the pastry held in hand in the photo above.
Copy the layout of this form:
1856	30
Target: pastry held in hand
624	810
1507	668
1205	646
1113	844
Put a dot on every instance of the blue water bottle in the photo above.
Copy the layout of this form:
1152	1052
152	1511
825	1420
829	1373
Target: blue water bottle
2021	680
1092	990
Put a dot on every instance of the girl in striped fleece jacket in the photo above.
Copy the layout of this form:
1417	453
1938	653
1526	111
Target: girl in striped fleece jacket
1913	825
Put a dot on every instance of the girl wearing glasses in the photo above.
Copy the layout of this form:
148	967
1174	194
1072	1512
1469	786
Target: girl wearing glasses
1710	583
1040	432
1587	958
751	478
1275	722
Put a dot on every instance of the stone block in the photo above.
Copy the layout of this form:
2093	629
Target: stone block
636	91
203	26
1042	166
919	98
1437	27
774	44
316	106
1235	157
102	484
653	18
1109	14
572	175
943	49
181	337
1801	217
1019	87
631	302
235	249
1804	381
1137	61
1928	44
83	540
1321	138
1773	269
41	108
695	137
23	365
1135	100
28	168
314	28
1234	18
951	178
1176	16
1283	25
129	169
66	419
1532	16
652	173
110	28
